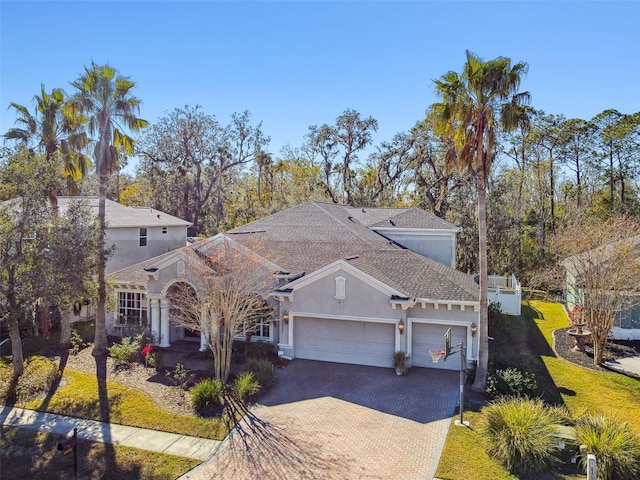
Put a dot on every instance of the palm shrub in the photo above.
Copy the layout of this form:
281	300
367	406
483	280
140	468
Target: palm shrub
518	432
207	393
616	447
511	382
246	385
262	371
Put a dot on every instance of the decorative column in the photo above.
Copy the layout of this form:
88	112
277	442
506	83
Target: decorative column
203	333
155	320
164	323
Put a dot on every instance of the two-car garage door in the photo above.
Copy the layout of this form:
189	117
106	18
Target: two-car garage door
344	341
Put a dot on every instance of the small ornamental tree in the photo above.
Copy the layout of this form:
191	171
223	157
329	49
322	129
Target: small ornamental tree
602	263
223	296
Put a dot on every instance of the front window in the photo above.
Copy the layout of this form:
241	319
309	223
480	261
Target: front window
132	308
143	237
262	330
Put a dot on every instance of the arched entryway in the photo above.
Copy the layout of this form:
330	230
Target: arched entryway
182	301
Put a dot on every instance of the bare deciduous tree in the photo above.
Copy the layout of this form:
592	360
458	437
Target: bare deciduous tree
602	262
225	296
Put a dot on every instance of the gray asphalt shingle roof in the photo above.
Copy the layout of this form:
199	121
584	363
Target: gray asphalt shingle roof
118	215
305	238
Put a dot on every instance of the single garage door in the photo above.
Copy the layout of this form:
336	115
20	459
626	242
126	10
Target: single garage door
344	341
427	336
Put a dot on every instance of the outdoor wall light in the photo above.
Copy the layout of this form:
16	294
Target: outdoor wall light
285	318
401	326
474	328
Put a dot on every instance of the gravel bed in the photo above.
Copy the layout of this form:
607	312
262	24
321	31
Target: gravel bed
147	380
563	344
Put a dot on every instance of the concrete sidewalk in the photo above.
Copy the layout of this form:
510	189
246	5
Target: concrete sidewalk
153	440
626	365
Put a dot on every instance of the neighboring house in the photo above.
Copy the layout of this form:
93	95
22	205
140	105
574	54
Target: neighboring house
351	285
627	323
135	233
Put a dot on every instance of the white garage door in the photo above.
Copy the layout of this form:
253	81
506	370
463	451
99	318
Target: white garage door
427	336
342	341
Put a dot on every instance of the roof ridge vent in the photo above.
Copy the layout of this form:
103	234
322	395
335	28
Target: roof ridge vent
352	257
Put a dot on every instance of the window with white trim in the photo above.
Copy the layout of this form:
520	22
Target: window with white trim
143	236
132	308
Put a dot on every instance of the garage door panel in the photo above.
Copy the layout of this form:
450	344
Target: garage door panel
428	336
342	341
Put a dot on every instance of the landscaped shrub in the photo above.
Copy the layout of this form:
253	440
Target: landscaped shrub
262	371
246	385
518	432
616	447
259	349
77	343
126	351
207	393
511	382
178	376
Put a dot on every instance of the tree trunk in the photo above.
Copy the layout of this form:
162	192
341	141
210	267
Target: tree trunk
480	382
65	330
100	341
16	348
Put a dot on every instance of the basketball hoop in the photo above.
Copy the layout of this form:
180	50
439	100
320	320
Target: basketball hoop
436	354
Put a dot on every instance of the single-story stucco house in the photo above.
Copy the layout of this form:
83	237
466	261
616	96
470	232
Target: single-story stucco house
350	285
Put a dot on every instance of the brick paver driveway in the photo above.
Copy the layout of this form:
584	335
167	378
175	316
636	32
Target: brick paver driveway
333	421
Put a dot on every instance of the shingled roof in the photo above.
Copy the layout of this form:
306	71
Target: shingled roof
118	215
305	238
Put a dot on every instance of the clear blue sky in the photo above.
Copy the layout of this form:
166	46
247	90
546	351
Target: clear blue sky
295	64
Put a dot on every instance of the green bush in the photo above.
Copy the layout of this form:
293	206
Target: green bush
616	447
511	382
518	432
262	371
259	350
77	343
126	351
207	393
246	385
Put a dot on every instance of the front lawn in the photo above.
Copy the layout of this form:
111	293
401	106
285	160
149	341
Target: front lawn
526	342
127	406
30	454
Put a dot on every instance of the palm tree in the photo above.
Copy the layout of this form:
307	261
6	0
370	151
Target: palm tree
57	131
475	102
105	98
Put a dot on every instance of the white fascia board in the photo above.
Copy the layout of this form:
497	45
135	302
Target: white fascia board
337	266
448	303
130	286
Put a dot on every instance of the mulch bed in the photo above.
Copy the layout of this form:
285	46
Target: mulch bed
564	343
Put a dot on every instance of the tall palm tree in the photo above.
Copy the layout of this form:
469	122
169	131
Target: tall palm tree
473	104
57	130
106	98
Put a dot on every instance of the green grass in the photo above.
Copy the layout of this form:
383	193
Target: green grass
127	406
30	454
525	342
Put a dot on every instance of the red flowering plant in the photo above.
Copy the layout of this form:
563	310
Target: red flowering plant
149	356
